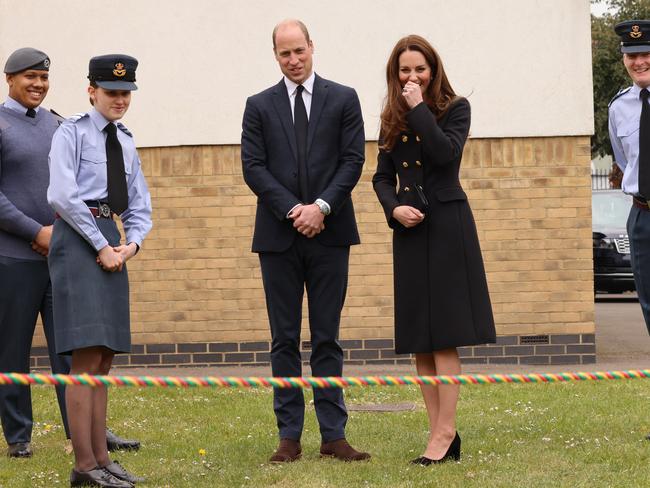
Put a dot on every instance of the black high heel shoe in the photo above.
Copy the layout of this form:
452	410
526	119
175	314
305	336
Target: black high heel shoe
453	452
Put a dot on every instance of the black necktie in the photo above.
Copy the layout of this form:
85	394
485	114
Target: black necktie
31	113
300	123
118	198
644	146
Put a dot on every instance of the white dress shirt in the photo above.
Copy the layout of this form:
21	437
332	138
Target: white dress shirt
292	90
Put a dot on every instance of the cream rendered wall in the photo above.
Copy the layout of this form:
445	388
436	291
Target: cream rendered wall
525	64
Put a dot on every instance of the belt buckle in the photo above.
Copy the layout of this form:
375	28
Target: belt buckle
104	210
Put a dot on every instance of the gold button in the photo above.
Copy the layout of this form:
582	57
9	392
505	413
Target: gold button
405	138
406	188
405	164
417	138
418	163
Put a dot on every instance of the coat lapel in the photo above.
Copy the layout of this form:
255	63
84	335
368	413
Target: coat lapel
283	107
318	98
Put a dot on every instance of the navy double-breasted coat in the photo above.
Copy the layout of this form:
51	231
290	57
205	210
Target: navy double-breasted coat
441	293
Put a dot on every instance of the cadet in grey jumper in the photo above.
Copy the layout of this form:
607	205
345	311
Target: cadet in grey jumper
26	132
24	177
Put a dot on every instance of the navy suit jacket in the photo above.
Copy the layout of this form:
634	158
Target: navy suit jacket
335	156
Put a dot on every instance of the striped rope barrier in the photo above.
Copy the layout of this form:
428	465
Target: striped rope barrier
313	382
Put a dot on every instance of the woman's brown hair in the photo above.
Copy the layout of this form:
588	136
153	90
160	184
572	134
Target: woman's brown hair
438	95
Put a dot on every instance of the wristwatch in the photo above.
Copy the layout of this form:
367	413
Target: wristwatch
323	206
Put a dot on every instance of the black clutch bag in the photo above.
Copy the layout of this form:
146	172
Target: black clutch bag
422	199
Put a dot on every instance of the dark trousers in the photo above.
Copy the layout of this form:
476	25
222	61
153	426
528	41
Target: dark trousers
638	230
25	291
323	271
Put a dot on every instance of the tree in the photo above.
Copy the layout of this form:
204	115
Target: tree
609	74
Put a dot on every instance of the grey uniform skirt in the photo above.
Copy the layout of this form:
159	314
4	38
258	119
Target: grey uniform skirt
91	306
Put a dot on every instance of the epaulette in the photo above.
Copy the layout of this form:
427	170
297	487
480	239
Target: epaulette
121	126
77	117
59	118
619	94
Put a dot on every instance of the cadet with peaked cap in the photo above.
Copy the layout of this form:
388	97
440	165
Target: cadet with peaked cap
95	174
26	131
629	132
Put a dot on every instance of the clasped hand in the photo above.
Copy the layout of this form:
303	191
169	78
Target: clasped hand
308	220
41	243
112	259
407	216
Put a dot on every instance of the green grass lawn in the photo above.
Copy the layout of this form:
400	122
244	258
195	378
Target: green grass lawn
573	435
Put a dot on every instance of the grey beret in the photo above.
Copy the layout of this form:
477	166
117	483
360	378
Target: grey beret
27	58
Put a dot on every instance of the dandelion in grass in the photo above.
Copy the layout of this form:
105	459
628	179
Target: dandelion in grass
201	452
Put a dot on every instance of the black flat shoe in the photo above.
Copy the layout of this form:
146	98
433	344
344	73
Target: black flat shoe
20	450
117	470
453	452
116	443
97	477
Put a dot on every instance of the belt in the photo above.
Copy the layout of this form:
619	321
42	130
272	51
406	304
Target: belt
642	204
97	209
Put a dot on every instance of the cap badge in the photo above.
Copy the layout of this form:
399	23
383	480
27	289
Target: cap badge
635	33
46	63
119	70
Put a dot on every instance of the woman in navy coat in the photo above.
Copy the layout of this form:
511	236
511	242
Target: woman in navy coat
441	294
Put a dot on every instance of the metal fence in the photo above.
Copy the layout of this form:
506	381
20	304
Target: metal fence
604	179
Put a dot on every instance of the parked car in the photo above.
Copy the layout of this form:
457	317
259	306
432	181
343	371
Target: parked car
612	267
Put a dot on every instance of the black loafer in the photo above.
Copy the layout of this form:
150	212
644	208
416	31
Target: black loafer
19	450
97	477
116	443
117	470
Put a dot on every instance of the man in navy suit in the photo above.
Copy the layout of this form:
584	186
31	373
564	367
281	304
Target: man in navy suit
302	154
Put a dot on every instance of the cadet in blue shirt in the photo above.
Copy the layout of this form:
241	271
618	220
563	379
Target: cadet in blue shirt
629	132
95	173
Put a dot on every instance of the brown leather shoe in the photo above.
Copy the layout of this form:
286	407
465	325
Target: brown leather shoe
288	451
340	449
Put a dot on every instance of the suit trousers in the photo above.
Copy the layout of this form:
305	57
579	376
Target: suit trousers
25	291
323	272
638	230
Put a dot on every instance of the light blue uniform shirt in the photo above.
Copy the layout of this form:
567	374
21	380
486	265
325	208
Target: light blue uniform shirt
18	107
624	118
78	173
